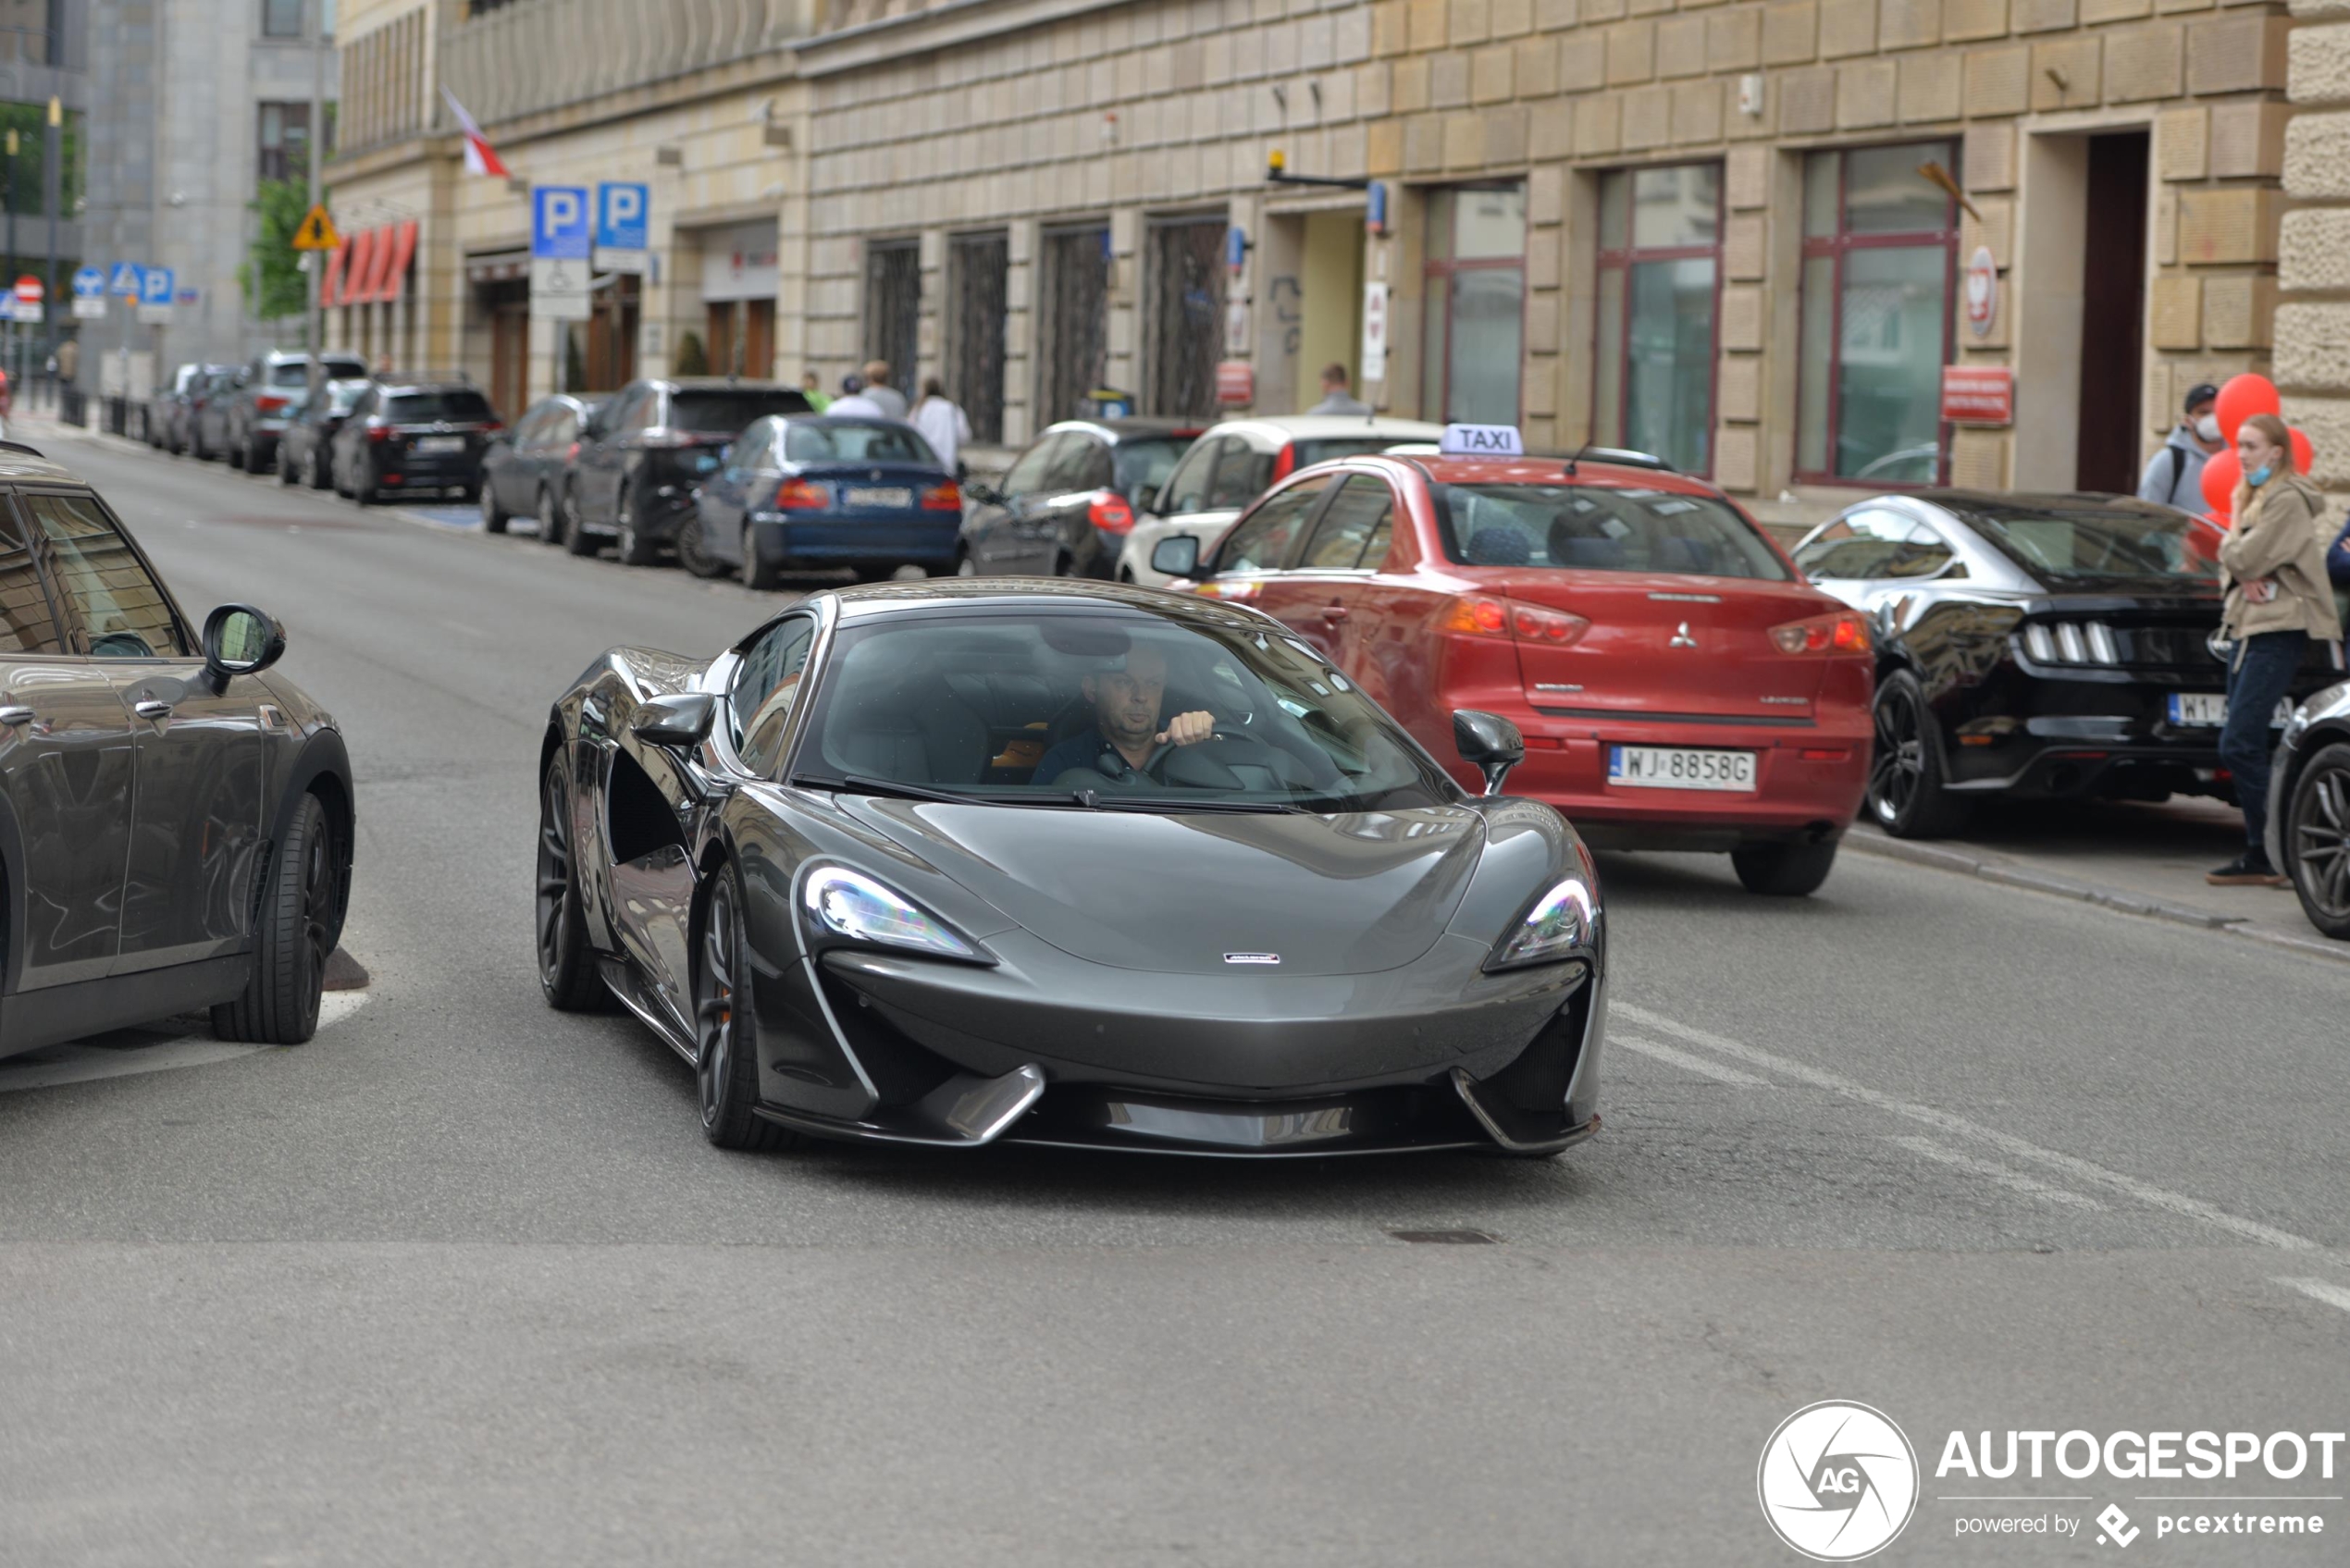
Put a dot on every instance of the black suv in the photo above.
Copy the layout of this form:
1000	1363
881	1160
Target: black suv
412	434
255	414
643	452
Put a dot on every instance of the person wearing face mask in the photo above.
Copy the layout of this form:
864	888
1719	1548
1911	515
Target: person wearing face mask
2174	474
2273	566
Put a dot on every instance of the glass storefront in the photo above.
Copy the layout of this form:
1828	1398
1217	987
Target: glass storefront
1476	295
1659	283
1880	242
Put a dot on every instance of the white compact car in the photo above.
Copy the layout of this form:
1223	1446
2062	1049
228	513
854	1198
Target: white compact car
1234	463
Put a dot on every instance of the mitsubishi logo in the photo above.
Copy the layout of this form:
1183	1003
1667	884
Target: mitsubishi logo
1681	637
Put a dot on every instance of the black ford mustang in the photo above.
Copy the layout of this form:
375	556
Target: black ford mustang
826	868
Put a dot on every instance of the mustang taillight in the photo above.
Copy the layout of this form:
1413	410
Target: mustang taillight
1823	633
1108	512
947	496
1477	615
799	495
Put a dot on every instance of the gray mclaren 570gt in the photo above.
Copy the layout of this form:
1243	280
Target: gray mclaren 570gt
953	861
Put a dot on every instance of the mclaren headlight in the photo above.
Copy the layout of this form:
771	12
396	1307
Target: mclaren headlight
1552	928
848	906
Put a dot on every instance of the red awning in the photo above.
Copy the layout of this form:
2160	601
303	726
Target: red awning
379	265
354	276
403	251
330	288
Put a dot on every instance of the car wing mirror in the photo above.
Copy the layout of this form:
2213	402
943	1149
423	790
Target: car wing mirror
984	493
1176	556
679	722
239	640
1489	743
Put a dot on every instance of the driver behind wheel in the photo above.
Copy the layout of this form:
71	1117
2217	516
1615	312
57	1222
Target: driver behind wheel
1126	728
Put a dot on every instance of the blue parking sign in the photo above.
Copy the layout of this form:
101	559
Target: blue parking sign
558	223
156	286
622	214
125	280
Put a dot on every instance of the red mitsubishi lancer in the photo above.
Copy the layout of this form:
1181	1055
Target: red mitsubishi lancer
1679	683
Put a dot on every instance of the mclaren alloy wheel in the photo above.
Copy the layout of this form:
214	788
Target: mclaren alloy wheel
726	1030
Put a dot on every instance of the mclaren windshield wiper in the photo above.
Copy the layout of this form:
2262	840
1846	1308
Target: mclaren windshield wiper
1098	800
857	783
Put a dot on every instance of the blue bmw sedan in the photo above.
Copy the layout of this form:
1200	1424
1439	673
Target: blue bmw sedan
806	493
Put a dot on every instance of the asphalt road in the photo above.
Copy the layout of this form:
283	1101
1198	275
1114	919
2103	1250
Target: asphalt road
460	1282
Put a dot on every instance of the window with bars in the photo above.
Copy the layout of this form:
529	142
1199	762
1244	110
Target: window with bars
1072	319
1659	292
281	19
978	267
1475	305
1186	315
894	306
1880	248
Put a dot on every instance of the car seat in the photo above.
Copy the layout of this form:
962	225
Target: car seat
1568	548
907	727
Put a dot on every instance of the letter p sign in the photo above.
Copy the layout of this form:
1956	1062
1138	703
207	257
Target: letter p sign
620	212
558	223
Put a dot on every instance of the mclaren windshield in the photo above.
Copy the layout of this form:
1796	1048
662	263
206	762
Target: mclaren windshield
1109	710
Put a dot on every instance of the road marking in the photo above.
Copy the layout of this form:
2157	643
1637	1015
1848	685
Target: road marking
1961	1127
2321	1290
2015	1182
1684	1060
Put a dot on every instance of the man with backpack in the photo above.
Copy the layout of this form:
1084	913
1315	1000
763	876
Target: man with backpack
2174	474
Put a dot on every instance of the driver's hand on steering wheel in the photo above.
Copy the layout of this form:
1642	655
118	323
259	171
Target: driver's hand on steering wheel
1187	729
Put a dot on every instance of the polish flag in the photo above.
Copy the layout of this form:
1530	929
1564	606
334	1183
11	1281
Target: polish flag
480	157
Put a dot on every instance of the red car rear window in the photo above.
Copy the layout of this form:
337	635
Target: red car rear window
1600	528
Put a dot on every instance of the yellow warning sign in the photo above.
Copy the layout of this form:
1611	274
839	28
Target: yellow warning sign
317	232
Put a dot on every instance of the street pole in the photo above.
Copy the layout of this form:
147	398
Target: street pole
314	319
10	359
53	196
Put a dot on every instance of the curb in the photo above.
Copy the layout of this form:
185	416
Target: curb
1967	863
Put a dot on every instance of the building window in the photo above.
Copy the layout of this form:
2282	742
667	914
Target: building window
894	308
281	19
1072	307
1660	282
978	268
1475	304
1880	244
285	141
1186	315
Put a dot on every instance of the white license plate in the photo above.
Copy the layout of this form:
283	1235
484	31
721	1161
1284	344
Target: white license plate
439	444
884	495
1676	767
2206	709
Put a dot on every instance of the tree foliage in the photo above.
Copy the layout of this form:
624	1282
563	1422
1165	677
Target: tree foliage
272	277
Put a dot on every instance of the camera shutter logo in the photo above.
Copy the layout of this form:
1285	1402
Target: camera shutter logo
1838	1481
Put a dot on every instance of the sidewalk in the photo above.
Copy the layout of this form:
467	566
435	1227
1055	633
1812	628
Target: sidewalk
2138	858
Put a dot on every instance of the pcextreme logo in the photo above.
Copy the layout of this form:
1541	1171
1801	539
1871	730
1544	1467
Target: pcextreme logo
1838	1481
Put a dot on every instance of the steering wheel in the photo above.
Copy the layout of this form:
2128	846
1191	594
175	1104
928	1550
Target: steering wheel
1216	749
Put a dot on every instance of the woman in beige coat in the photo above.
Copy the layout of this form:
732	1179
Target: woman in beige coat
2273	567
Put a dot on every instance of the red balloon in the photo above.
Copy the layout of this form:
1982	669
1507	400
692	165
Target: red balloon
2304	454
2243	397
2221	472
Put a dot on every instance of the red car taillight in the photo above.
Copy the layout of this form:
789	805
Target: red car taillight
947	496
379	431
269	402
1478	616
1285	461
1823	633
799	495
1108	512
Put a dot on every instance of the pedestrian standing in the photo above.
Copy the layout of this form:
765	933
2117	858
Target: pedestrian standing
877	387
2337	568
943	423
811	387
1336	397
853	401
2174	474
2273	569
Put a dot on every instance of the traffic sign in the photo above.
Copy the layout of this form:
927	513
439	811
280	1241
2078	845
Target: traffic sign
623	227
88	283
316	232
558	226
1981	291
559	290
156	286
124	279
29	291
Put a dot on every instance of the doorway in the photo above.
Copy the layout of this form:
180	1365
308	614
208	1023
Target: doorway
2113	313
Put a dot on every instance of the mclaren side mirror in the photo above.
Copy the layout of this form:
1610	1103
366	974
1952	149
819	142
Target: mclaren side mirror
1176	556
239	640
679	722
1489	743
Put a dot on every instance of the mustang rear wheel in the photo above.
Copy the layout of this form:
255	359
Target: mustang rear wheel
1782	870
299	919
2316	840
566	969
1907	793
726	1030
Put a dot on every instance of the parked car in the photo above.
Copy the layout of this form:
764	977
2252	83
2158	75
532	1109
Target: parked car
643	452
207	415
1679	684
167	410
521	469
302	450
2309	808
810	866
253	415
1233	462
2035	647
806	491
414	435
179	815
1067	504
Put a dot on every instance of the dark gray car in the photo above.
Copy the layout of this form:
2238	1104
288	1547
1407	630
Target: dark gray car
174	817
254	417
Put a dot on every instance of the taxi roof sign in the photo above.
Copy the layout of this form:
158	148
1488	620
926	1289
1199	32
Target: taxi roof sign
1481	440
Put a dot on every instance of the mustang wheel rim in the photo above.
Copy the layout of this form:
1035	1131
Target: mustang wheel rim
2322	842
555	872
714	1002
1900	757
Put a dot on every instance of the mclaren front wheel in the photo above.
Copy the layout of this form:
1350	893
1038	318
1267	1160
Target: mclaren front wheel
726	1030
